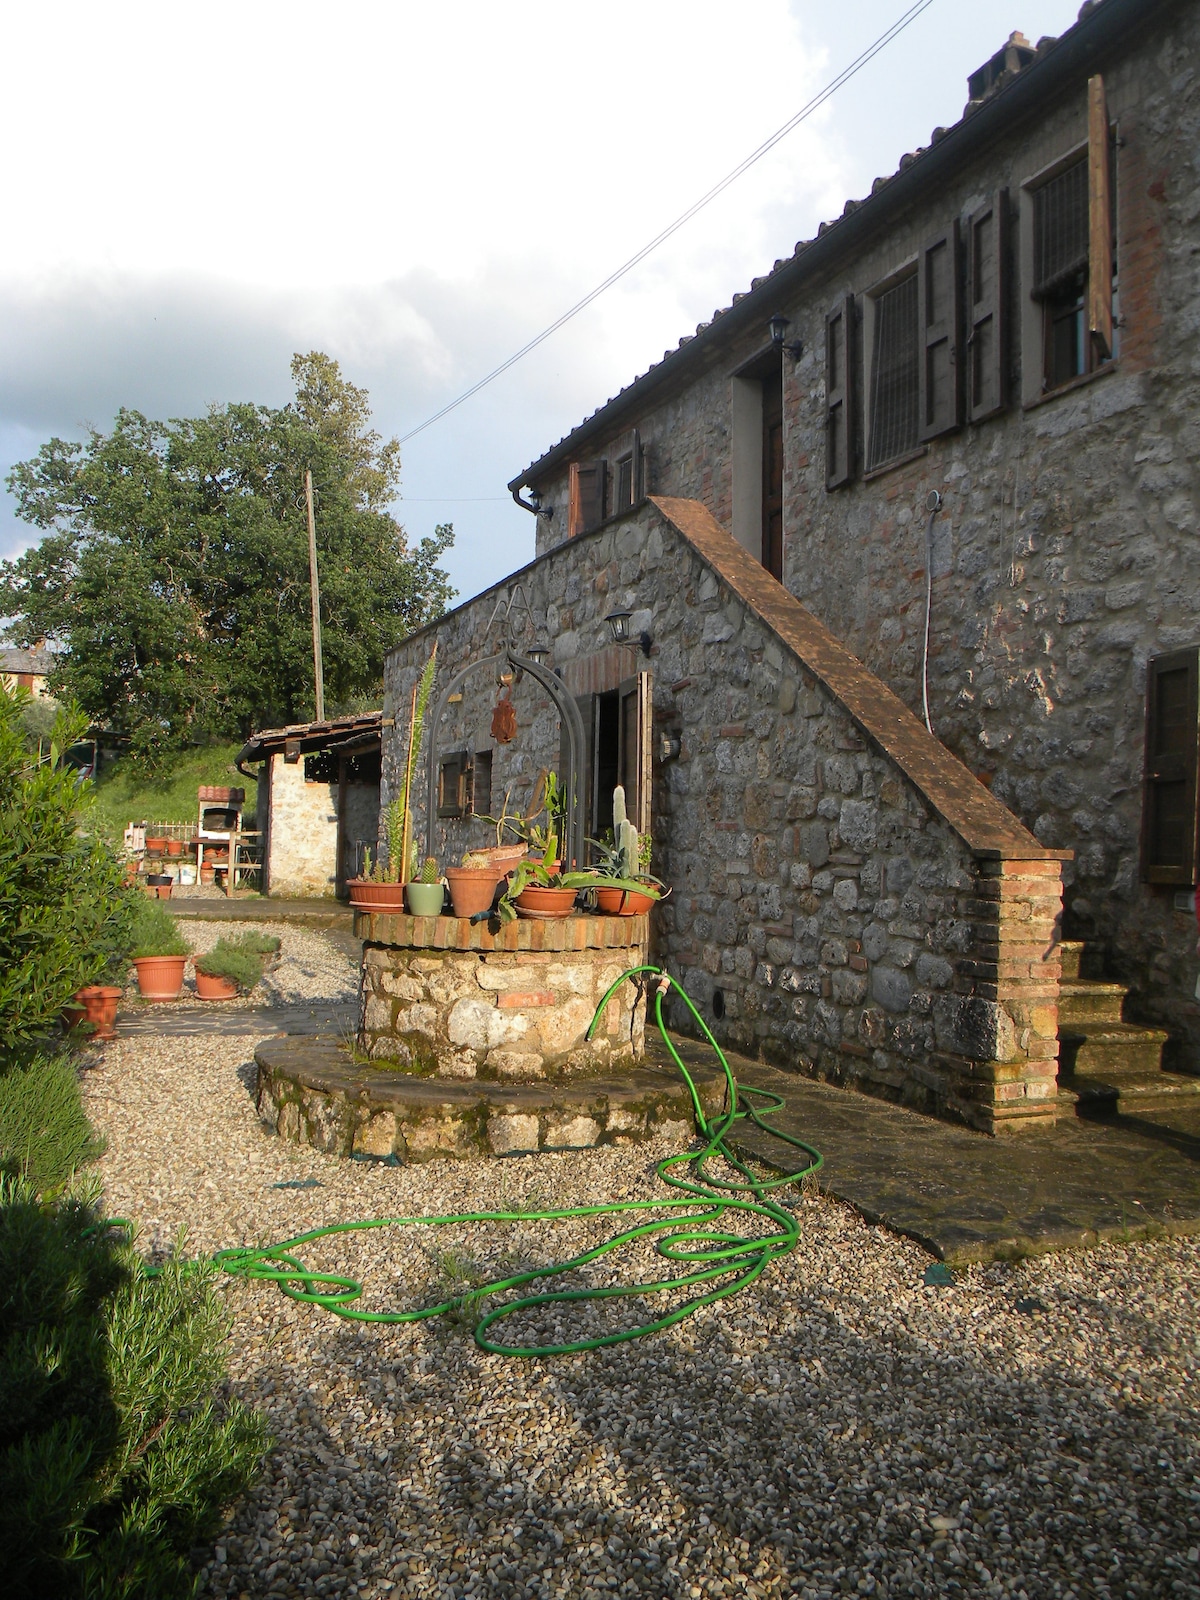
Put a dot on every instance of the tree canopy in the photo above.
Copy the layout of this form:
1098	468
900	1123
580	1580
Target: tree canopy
173	574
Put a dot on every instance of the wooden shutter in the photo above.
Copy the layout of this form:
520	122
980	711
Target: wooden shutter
1169	818
987	309
1100	224
839	394
587	711
635	749
591	478
939	303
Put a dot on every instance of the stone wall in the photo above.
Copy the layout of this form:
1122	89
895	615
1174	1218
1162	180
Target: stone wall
1066	550
302	841
824	913
500	1012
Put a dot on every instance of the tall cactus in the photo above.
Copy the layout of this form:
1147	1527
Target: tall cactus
625	835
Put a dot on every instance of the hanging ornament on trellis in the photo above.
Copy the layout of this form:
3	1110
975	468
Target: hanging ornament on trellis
504	719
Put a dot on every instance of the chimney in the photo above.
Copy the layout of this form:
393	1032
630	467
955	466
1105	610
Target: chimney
1008	60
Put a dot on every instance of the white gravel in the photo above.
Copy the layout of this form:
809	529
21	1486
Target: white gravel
310	967
839	1428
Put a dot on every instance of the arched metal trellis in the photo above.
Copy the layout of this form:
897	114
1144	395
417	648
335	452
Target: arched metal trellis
573	840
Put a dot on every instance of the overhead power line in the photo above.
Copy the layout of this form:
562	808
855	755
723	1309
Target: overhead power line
818	100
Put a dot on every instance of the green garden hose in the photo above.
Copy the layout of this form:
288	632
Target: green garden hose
691	1233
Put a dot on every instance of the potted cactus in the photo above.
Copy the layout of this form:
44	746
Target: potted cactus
425	893
624	886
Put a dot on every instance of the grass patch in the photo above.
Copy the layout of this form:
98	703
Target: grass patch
126	792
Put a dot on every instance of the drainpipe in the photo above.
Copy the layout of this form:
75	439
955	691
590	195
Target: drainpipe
534	504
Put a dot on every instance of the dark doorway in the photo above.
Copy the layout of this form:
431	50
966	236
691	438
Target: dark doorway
772	461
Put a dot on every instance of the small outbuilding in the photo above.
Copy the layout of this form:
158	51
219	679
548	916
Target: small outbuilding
318	801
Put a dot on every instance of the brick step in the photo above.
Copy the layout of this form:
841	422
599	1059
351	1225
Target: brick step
1110	1050
1086	1000
1080	960
1093	1096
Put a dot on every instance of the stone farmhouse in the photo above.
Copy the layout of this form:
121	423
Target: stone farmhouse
881	594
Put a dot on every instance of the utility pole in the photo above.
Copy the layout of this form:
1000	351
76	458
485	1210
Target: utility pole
315	588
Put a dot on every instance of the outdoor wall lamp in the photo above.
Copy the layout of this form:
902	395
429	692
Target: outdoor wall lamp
618	622
779	325
538	654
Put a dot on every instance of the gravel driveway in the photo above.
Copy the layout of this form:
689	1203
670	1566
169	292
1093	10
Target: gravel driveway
839	1428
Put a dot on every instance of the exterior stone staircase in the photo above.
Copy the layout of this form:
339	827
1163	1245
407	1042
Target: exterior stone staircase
1107	1065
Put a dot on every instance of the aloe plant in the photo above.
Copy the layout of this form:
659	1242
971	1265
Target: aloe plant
401	865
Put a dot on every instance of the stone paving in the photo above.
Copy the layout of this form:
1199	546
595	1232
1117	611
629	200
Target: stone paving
966	1197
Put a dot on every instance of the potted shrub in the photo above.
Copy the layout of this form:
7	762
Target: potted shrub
539	889
426	895
231	967
159	953
473	884
381	887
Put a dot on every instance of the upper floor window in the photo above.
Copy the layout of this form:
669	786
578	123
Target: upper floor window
894	405
1073	278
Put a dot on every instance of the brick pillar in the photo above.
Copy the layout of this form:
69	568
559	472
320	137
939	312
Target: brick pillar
997	1032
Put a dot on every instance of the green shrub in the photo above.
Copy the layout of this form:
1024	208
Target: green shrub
234	960
64	912
261	944
155	931
45	1136
115	1458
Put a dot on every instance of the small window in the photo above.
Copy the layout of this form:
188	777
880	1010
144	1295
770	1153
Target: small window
895	374
481	784
321	767
454	799
627	474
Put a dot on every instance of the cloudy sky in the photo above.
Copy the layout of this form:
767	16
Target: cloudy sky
194	192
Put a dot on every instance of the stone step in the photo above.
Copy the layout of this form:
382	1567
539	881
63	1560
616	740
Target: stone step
1110	1050
1086	1000
1093	1095
1080	960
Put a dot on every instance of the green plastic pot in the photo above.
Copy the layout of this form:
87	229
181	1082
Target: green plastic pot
425	899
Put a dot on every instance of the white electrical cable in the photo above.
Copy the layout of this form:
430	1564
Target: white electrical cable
932	501
884	39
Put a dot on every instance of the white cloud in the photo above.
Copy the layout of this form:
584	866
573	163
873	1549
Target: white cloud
193	193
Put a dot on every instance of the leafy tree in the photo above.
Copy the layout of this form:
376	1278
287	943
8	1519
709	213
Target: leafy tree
64	914
173	574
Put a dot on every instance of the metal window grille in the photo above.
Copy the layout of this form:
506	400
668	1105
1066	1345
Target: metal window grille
1060	228
895	374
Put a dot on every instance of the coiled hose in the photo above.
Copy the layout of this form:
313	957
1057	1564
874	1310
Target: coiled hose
694	1233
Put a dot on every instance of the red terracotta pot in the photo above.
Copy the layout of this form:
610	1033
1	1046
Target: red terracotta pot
504	856
155	846
99	1003
208	874
538	901
384	899
174	847
623	902
214	988
159	977
472	889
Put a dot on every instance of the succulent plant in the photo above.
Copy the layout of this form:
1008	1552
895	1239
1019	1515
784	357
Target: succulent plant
429	872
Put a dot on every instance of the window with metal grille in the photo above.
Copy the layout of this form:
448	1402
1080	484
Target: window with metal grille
895	374
1060	230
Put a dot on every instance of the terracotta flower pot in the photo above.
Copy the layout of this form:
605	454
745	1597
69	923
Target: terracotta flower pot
472	889
384	899
155	846
99	1002
174	847
208	874
214	988
159	977
538	901
623	902
504	856
425	899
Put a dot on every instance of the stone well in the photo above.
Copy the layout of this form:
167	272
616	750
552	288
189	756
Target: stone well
474	1044
445	997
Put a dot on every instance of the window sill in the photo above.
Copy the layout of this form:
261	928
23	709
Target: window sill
1075	384
898	461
